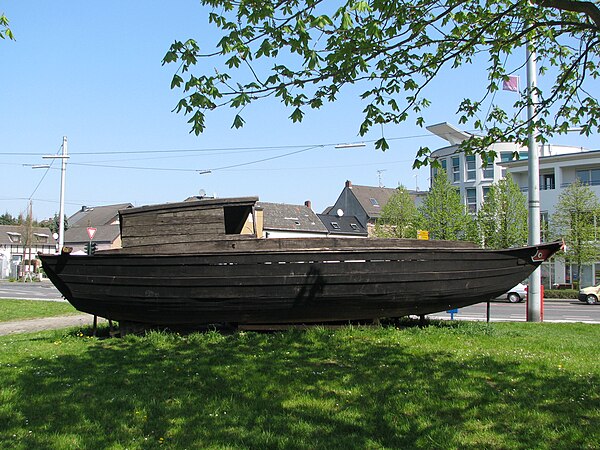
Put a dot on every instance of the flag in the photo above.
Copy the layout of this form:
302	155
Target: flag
511	84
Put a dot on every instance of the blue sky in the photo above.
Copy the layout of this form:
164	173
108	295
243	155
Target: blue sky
92	71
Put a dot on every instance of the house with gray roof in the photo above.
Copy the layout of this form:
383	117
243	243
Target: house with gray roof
18	243
343	226
366	202
105	219
282	220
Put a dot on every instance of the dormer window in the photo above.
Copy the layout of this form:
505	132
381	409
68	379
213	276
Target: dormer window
41	238
15	238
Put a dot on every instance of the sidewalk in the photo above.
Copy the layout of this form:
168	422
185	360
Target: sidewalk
46	323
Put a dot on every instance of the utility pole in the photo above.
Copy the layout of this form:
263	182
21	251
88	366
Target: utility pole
63	171
379	172
534	299
27	239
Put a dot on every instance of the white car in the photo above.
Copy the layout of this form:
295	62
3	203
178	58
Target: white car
589	295
516	294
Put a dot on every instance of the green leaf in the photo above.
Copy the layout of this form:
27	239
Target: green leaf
297	115
176	82
381	144
238	122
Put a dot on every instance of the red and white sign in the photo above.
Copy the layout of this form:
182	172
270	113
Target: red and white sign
91	232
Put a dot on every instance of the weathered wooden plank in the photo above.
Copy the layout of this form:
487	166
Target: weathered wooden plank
227	243
169	230
211	215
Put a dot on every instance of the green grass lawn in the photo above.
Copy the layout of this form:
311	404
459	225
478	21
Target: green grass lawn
449	385
11	309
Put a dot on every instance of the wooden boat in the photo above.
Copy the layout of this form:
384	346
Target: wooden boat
190	263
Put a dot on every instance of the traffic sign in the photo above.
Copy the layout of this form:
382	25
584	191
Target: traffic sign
91	232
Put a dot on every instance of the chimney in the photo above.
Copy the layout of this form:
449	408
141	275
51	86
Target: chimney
349	184
308	204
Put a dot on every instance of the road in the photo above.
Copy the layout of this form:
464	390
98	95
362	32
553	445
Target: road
554	310
35	290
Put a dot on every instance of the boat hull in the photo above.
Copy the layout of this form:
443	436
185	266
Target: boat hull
297	286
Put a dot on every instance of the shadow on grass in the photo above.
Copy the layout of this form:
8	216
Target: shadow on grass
347	388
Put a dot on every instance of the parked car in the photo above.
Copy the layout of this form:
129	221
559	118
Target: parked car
589	295
516	294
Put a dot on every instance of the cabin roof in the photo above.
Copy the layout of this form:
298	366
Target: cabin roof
192	204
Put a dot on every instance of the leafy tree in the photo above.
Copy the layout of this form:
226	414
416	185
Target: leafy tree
8	219
399	217
53	223
305	52
502	219
574	220
444	214
5	32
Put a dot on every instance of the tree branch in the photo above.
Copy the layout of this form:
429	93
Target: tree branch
590	9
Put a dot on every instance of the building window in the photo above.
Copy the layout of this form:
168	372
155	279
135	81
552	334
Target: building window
41	238
547	181
455	168
471	167
15	238
544	227
435	169
506	156
488	170
486	193
522	155
472	199
591	177
374	202
354	226
335	225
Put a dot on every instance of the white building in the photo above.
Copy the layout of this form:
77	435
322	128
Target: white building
558	171
560	165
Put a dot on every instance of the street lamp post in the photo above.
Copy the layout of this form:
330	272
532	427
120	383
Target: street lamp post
63	171
534	299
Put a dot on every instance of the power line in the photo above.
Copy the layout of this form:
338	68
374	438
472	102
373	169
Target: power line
210	149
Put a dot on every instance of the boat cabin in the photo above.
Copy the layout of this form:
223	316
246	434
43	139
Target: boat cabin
189	221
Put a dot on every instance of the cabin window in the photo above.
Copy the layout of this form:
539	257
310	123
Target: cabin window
235	217
374	202
335	225
15	238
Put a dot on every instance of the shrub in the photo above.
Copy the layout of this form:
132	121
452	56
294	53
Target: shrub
561	293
